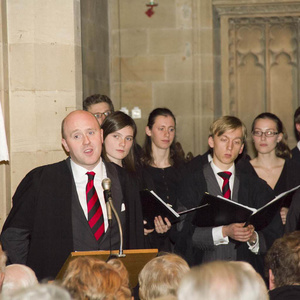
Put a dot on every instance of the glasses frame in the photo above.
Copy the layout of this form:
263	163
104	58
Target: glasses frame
261	133
99	115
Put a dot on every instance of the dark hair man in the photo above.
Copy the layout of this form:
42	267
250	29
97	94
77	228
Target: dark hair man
283	266
99	105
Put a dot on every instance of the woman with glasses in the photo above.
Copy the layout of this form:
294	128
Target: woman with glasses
273	163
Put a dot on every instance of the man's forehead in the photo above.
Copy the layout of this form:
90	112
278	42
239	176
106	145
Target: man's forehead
84	129
99	107
233	133
81	122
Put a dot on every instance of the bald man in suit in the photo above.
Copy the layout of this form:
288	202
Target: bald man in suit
49	217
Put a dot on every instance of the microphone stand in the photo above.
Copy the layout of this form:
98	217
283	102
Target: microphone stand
121	254
106	184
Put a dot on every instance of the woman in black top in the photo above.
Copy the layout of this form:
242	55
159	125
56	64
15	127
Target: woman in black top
162	162
273	163
119	132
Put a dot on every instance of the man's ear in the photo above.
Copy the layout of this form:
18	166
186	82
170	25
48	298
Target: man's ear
1	280
65	145
271	280
101	136
211	142
297	125
148	131
242	148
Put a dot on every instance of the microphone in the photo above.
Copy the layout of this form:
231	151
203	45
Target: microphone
106	185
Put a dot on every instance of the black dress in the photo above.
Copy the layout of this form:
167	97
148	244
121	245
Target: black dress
289	178
133	232
165	182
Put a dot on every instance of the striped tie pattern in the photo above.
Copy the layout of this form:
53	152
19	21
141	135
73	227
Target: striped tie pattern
225	188
95	214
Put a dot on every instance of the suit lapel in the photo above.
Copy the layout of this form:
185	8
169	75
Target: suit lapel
236	186
211	181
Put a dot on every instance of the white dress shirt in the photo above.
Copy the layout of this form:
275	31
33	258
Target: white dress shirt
217	231
81	179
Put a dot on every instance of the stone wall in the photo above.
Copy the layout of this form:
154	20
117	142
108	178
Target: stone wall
41	82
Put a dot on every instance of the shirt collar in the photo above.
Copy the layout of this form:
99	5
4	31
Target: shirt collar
79	172
217	170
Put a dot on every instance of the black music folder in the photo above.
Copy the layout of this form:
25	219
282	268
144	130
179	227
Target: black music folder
153	206
221	211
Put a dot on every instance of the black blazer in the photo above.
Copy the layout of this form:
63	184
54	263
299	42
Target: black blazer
296	154
39	229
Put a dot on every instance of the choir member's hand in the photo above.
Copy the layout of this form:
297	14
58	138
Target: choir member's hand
160	225
147	231
238	232
283	214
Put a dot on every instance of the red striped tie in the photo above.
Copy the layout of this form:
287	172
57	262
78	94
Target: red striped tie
225	188
95	214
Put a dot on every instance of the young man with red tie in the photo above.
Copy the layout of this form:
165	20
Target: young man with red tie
221	176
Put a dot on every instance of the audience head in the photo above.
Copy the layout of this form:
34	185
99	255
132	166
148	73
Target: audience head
89	278
161	134
297	123
223	280
18	277
282	261
122	271
82	138
227	133
269	127
99	105
38	292
3	259
161	276
119	132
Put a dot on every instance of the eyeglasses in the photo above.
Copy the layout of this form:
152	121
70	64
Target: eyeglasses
268	133
105	114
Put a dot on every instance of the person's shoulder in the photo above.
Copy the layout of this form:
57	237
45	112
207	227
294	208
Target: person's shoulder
58	166
293	163
244	166
291	292
197	162
295	150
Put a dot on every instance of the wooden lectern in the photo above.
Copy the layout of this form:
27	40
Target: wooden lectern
134	260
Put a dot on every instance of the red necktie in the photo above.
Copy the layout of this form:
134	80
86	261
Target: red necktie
95	214
225	188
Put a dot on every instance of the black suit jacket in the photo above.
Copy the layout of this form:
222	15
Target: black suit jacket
46	220
296	154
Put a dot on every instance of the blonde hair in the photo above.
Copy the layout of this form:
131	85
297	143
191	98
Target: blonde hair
223	280
92	279
161	276
225	123
120	268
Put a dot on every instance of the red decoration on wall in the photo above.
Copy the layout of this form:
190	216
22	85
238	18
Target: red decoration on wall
149	12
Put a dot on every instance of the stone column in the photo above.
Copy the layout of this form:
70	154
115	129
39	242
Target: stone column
41	83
